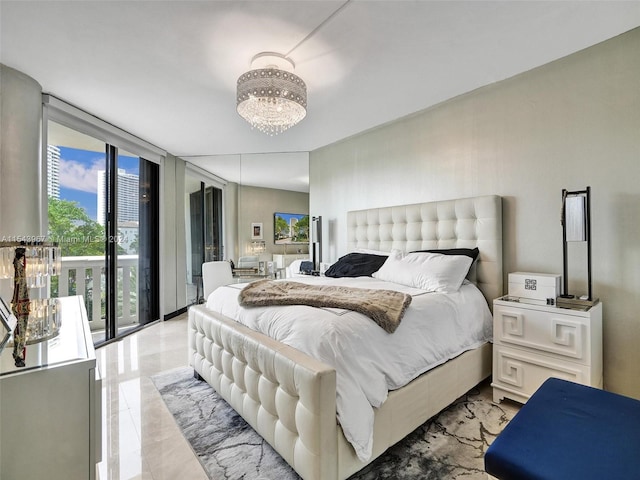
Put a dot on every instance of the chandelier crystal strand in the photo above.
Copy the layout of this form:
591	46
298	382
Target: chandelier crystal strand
41	260
271	100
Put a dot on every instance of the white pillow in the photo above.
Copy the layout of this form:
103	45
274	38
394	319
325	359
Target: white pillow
432	272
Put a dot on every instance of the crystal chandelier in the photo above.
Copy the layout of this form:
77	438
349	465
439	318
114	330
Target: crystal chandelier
271	98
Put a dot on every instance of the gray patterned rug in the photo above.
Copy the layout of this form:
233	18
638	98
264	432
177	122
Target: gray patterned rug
451	445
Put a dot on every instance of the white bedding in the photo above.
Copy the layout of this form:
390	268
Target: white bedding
369	361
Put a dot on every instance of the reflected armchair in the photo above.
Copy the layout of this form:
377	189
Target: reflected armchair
214	275
251	261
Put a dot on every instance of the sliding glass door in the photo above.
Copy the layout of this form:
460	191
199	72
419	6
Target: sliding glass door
148	243
204	231
76	165
103	209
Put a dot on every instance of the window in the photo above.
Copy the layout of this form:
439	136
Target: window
103	209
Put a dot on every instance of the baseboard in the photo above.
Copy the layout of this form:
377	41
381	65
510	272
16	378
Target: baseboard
171	315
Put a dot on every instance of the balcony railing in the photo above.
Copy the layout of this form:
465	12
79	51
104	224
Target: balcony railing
85	276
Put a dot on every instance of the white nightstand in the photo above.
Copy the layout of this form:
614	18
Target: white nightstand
535	342
283	261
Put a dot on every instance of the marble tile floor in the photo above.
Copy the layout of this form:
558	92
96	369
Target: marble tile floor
140	438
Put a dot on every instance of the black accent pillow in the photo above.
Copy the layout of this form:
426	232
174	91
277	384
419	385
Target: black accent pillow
469	252
356	265
306	267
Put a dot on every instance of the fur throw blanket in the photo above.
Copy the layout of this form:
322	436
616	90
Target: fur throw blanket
385	307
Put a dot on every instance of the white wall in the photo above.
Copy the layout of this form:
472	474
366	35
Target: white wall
173	261
571	123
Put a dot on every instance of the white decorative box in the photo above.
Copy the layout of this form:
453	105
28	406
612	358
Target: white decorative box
542	287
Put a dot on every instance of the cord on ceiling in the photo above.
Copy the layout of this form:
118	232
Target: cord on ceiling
318	27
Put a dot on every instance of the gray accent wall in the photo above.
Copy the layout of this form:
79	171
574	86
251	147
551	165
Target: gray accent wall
568	124
257	205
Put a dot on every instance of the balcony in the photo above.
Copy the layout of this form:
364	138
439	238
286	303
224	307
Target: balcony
85	276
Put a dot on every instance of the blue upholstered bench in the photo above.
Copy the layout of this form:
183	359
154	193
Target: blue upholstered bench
568	431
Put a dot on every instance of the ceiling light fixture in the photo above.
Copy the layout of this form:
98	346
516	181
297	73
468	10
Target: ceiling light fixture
271	98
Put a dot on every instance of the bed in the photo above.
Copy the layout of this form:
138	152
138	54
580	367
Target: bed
290	398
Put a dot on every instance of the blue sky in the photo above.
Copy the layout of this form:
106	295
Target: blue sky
289	216
78	175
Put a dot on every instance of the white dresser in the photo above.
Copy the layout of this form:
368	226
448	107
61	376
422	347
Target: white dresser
50	410
283	261
535	342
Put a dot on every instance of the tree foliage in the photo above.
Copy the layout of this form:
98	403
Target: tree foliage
281	228
71	227
301	230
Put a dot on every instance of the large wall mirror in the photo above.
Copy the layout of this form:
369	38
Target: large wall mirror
258	192
208	206
274	195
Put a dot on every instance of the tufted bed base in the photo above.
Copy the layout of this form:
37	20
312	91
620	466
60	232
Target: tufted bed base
289	398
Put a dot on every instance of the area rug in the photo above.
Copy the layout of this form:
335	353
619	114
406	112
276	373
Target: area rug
450	445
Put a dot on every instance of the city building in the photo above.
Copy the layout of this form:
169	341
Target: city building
127	197
53	171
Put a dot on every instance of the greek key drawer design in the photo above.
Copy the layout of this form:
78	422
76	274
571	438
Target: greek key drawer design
521	373
554	333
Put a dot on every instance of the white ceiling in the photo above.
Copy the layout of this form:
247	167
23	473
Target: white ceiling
166	70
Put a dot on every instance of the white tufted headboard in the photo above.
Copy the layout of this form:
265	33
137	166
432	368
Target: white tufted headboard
464	223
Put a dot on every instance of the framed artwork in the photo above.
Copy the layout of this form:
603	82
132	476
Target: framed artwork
290	228
256	231
8	322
